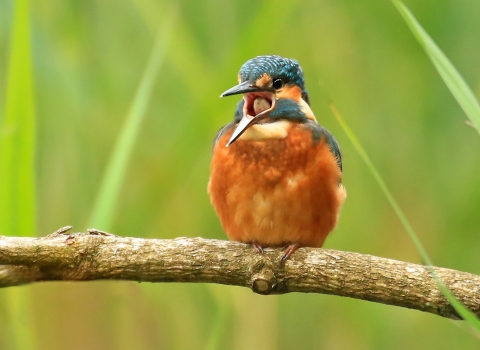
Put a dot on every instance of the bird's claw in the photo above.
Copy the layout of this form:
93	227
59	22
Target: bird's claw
289	250
258	248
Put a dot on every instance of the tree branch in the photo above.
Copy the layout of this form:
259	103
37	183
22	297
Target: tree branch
98	256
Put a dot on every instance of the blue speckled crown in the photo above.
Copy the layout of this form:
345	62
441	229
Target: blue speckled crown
277	67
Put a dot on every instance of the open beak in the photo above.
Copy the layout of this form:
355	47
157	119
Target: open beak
252	92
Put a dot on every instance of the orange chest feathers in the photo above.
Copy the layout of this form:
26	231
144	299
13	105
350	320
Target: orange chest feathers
276	192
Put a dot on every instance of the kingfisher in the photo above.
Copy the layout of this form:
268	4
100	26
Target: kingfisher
276	174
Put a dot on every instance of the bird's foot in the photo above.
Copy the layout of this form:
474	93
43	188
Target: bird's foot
258	247
289	250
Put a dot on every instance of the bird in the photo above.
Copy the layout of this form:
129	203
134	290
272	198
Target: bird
276	173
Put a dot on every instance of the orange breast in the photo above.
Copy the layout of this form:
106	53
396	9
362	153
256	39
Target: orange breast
276	192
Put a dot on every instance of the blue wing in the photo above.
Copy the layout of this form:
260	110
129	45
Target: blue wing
319	133
335	148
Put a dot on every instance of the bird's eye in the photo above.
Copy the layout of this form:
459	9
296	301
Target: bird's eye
277	83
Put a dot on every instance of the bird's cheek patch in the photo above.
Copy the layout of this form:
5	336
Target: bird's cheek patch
264	81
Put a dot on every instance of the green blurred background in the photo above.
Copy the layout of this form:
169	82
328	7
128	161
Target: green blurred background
88	60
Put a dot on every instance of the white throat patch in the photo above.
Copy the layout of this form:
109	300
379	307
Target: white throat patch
275	130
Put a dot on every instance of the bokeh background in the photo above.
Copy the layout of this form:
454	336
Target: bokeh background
88	60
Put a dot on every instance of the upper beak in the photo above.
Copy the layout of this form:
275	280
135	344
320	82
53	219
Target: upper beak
246	122
242	88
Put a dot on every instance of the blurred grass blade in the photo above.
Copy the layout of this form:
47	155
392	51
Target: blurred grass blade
465	313
217	329
17	170
17	134
102	215
467	101
454	81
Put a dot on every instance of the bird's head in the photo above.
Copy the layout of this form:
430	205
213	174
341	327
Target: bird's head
273	89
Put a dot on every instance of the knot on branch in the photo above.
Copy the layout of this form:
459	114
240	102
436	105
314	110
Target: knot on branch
264	272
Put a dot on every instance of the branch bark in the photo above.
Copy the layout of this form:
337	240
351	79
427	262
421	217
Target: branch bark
97	255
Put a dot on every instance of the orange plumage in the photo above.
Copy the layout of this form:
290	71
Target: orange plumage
276	193
275	173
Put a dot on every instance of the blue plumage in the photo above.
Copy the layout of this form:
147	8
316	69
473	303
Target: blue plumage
290	72
277	67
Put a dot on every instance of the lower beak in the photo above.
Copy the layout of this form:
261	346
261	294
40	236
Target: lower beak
246	122
242	126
